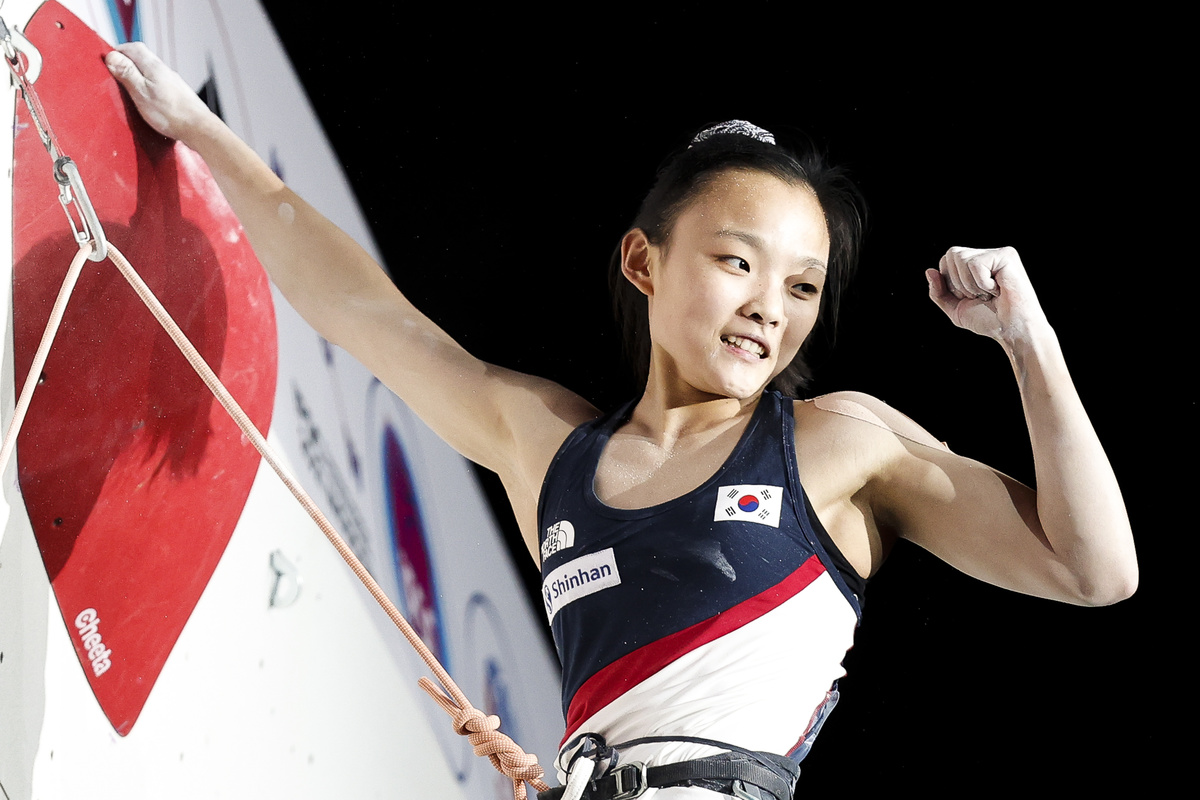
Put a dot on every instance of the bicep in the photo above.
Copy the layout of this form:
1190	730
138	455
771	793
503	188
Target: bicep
971	516
486	412
974	518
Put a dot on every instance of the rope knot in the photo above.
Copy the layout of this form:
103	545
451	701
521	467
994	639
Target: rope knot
482	731
470	721
479	728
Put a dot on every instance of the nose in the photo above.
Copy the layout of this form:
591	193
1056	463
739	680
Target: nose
765	306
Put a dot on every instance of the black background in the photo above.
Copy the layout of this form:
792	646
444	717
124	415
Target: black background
500	156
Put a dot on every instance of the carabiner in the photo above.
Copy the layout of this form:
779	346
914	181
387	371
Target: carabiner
70	190
24	60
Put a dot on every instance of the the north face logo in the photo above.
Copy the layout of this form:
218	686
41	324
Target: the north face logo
559	536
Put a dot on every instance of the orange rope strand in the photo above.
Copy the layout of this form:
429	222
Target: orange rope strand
481	730
43	351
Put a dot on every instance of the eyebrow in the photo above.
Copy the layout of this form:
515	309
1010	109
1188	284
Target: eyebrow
756	241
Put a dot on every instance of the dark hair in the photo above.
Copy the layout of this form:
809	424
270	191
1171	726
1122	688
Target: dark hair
690	170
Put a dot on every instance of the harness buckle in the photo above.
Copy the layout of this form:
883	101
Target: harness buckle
742	793
630	781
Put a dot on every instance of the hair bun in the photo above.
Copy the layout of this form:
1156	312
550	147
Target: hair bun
735	127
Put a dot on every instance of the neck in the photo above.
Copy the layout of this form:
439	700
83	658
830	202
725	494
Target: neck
665	417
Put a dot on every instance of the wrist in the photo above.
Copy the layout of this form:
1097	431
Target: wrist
1026	331
203	132
1035	344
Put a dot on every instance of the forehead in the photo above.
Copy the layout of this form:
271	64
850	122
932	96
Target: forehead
760	209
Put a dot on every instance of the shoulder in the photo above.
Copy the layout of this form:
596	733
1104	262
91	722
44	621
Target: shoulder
540	416
861	417
909	480
849	449
855	448
859	434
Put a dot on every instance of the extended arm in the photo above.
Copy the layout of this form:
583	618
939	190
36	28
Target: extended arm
509	422
1070	540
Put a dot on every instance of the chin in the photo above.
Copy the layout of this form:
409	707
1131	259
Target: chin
744	389
743	382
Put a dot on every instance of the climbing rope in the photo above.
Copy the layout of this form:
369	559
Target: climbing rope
481	730
43	351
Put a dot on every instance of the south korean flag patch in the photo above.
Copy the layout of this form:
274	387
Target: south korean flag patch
759	504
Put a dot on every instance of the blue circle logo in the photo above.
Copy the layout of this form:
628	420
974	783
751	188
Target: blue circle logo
748	503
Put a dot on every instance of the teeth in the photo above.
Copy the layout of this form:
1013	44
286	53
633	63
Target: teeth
749	345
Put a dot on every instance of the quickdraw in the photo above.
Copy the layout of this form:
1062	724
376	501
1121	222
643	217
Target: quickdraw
24	62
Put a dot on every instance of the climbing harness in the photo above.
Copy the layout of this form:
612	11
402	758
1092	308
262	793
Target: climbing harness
740	773
480	729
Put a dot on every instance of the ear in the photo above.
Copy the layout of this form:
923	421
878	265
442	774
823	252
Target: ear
637	255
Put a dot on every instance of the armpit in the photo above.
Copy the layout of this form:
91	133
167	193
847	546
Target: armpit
899	424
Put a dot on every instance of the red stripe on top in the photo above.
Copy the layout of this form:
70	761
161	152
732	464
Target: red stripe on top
612	681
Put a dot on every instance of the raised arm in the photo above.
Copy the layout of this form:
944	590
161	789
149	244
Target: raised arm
1070	540
506	421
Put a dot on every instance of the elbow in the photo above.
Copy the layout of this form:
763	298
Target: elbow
1104	573
1110	595
1128	585
1113	586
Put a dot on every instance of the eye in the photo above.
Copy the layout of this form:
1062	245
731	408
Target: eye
806	289
736	262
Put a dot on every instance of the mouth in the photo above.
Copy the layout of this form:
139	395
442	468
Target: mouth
750	346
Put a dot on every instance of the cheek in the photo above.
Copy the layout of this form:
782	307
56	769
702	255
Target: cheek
692	306
802	324
671	324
